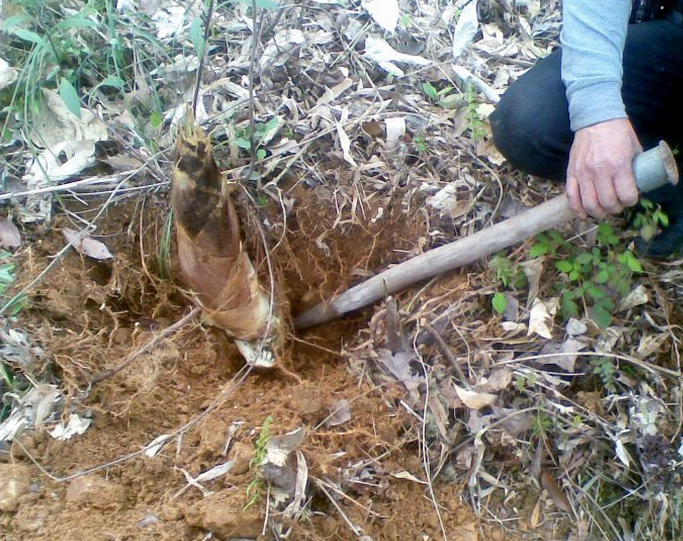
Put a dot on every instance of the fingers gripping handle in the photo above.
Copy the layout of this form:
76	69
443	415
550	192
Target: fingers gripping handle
655	168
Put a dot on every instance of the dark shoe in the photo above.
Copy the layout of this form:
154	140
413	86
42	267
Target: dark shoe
668	242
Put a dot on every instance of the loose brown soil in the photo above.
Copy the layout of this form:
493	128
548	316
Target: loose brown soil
90	315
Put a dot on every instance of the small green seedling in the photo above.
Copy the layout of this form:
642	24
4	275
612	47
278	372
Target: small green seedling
594	278
255	488
650	220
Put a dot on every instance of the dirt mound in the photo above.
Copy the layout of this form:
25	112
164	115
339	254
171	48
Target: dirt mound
365	471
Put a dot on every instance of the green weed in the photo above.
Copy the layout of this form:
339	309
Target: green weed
604	368
255	488
508	275
475	122
595	278
649	220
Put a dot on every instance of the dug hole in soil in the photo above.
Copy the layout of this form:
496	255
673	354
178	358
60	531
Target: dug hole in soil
90	315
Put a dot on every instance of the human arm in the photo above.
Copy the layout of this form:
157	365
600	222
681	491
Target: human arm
599	176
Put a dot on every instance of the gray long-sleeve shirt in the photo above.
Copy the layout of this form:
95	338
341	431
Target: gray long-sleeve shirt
592	37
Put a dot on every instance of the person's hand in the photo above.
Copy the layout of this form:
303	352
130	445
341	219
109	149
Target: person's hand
599	176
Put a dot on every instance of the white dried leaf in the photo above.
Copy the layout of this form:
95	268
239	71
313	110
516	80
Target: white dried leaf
47	397
398	365
9	234
396	128
622	454
281	47
68	145
378	50
86	245
465	29
155	445
345	144
333	93
57	124
31	411
60	162
475	400
533	269
635	298
608	339
279	448
169	21
448	201
513	327
384	12
542	316
576	327
216	471
8	74
296	505
341	413
77	425
567	353
649	344
644	415
466	77
406	475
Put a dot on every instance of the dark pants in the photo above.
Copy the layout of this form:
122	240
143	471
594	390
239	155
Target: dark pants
531	123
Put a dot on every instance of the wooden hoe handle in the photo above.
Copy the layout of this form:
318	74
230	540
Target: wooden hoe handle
652	169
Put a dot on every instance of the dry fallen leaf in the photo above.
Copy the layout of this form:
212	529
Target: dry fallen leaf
498	380
622	453
555	492
542	316
86	245
566	352
384	12
635	298
533	269
514	422
475	400
340	413
9	234
465	29
650	343
8	74
385	55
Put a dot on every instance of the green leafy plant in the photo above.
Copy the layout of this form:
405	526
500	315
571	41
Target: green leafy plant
648	220
420	143
475	122
445	97
547	243
7	275
262	132
508	275
594	278
604	368
255	488
86	55
542	422
507	272
499	302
